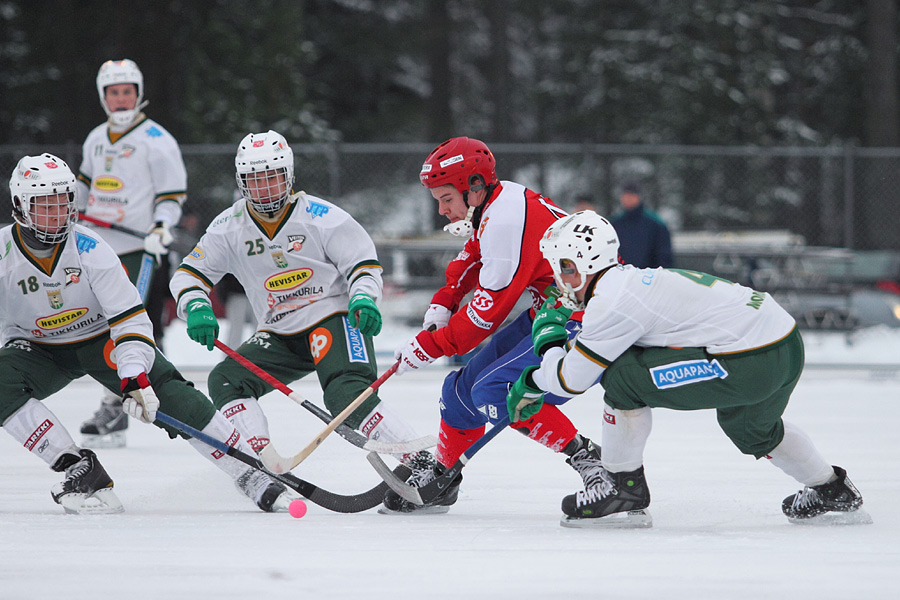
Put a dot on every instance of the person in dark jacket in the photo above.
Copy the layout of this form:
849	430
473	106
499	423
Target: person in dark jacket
644	237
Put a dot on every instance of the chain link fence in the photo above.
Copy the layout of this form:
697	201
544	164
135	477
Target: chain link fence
818	227
833	196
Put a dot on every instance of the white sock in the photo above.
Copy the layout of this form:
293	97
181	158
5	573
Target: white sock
797	456
221	429
40	432
250	420
625	434
384	424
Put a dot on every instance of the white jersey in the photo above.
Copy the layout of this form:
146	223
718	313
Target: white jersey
662	308
318	254
79	292
135	181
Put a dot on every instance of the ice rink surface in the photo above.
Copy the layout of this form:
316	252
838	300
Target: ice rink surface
718	529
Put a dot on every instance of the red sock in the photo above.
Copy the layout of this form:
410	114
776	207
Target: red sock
549	427
452	442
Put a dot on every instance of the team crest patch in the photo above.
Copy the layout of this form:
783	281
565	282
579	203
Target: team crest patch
278	257
55	297
687	372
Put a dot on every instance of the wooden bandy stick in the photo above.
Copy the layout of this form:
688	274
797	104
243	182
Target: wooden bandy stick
271	459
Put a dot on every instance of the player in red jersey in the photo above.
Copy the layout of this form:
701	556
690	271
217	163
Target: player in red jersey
501	260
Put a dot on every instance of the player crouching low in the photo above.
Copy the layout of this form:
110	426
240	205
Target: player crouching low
70	310
674	339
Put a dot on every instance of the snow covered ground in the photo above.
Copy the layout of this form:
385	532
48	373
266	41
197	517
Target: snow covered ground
718	530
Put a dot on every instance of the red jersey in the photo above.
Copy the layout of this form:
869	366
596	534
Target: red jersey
499	262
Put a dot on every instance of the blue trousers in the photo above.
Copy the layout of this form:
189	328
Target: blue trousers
476	393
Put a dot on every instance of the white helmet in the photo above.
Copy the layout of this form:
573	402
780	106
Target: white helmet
587	240
113	72
43	177
257	154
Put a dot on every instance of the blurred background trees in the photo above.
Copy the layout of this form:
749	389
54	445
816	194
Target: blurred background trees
701	72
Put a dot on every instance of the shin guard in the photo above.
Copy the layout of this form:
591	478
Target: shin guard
452	442
549	427
40	432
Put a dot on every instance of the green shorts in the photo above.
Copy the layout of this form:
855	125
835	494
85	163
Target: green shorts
32	370
749	390
342	358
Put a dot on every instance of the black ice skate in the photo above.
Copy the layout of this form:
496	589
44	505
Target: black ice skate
424	470
268	494
586	461
834	503
87	488
106	429
615	500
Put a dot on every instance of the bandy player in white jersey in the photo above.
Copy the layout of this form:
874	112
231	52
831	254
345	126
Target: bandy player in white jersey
132	174
69	311
312	277
673	339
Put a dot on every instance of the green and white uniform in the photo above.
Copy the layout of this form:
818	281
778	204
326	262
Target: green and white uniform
75	313
684	340
135	181
298	274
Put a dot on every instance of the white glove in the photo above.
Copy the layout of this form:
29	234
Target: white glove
138	398
158	240
412	356
436	316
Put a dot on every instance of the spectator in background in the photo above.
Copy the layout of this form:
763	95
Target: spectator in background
644	237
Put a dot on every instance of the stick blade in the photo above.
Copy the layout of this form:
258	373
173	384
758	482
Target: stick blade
275	462
405	491
422	443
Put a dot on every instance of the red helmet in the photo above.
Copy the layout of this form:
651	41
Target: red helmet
455	162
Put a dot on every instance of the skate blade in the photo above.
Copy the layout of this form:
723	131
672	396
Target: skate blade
101	502
633	519
425	510
856	517
116	439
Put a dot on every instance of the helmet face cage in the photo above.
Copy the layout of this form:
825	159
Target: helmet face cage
264	168
43	195
113	72
584	240
459	162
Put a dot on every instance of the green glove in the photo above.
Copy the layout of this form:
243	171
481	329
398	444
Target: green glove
364	315
549	327
524	398
202	326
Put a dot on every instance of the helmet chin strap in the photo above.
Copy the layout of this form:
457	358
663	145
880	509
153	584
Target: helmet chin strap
463	228
124	118
567	295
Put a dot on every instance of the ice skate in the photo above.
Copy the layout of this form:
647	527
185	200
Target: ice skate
268	494
586	461
424	470
835	503
106	429
87	488
615	500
